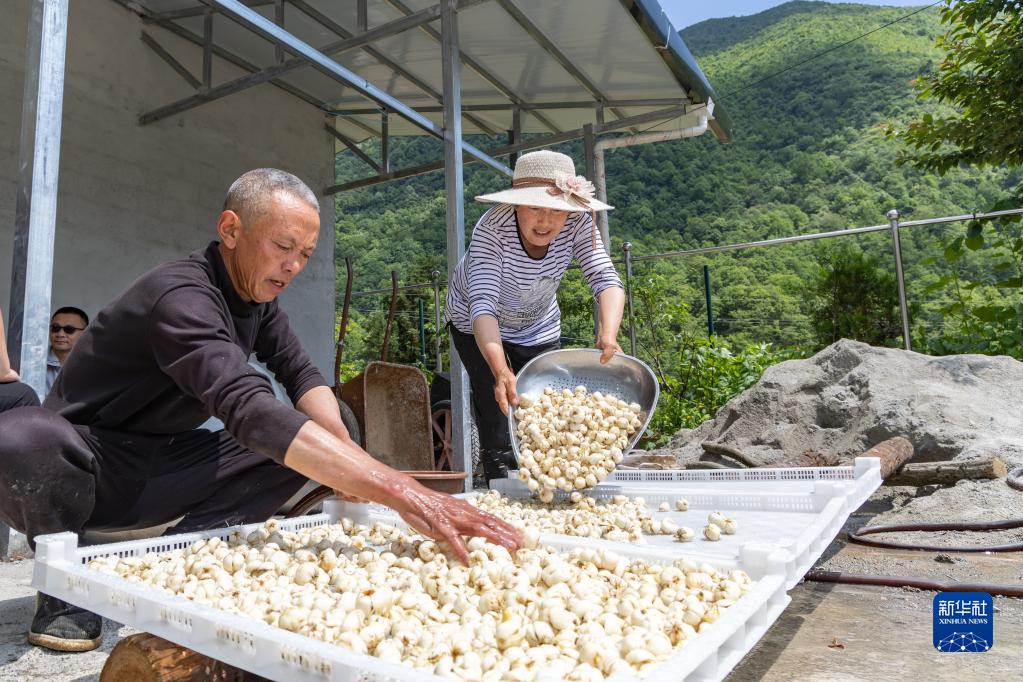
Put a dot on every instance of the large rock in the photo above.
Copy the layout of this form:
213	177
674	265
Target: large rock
851	396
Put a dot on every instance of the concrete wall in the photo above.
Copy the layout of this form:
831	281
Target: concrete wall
133	196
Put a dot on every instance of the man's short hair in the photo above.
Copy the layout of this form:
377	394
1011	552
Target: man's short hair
249	194
71	310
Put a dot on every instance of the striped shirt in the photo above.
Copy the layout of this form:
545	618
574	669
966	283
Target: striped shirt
497	277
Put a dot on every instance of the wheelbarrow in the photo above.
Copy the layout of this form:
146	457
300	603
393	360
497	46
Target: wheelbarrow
390	406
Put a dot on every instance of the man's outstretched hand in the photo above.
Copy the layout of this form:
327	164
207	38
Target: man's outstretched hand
447	518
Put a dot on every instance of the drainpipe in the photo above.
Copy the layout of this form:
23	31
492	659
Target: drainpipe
631	141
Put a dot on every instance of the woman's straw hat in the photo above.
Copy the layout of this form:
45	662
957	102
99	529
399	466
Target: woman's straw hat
547	179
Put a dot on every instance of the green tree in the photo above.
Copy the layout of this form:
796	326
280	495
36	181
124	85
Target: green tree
857	299
981	76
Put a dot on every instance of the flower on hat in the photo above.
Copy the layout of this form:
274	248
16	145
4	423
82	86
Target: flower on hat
575	186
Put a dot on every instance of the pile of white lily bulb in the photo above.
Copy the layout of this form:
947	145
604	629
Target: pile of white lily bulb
578	615
570	440
619	518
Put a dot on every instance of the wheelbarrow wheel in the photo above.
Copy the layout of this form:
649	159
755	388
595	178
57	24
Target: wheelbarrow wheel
442	449
351	423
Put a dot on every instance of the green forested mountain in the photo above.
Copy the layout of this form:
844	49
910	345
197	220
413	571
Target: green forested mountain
808	155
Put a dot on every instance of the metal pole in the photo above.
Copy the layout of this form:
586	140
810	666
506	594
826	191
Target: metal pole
42	219
515	135
422	333
627	248
589	145
893	219
436	319
385	143
454	190
36	200
706	290
22	210
600	182
207	50
361	16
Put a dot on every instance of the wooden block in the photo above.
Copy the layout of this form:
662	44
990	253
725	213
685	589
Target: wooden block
945	473
148	658
894	453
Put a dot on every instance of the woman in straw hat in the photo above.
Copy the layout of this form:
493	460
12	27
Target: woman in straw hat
502	308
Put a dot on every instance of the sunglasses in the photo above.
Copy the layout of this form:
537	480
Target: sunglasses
68	329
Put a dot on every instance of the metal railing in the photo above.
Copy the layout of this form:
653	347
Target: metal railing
894	225
628	260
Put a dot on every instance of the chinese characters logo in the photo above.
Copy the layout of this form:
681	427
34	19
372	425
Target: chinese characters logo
963	621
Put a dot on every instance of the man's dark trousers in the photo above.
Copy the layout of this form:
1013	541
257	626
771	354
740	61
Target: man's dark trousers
56	476
15	394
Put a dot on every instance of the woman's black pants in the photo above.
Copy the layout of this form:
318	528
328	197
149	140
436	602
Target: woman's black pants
495	441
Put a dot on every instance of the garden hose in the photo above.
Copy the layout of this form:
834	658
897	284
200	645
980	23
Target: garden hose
858	535
1015	478
920	583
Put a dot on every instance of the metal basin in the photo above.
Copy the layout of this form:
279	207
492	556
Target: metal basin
624	377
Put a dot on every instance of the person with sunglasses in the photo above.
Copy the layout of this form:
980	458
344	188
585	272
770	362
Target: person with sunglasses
13	393
66	327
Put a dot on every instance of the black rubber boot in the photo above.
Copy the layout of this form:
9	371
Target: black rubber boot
63	627
497	463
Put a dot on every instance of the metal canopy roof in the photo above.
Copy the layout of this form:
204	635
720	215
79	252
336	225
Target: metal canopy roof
532	66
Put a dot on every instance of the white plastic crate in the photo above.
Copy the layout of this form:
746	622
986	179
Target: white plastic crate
798	510
863	478
60	570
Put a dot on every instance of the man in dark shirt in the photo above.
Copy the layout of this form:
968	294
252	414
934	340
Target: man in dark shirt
117	445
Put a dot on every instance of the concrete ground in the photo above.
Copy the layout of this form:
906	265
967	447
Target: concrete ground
20	662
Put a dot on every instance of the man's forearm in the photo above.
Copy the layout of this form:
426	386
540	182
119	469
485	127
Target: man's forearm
343	465
320	405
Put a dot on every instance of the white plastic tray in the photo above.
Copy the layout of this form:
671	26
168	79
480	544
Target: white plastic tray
60	570
798	510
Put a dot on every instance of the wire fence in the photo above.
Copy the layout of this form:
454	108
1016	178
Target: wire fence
419	315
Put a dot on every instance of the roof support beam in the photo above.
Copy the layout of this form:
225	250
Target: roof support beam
536	34
166	56
226	55
332	25
211	94
351	144
532	106
271	31
482	71
173	15
640	119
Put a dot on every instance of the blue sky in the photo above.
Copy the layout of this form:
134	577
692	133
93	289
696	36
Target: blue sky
682	13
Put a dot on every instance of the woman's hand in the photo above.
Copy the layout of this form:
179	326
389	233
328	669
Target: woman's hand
504	390
8	376
608	347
